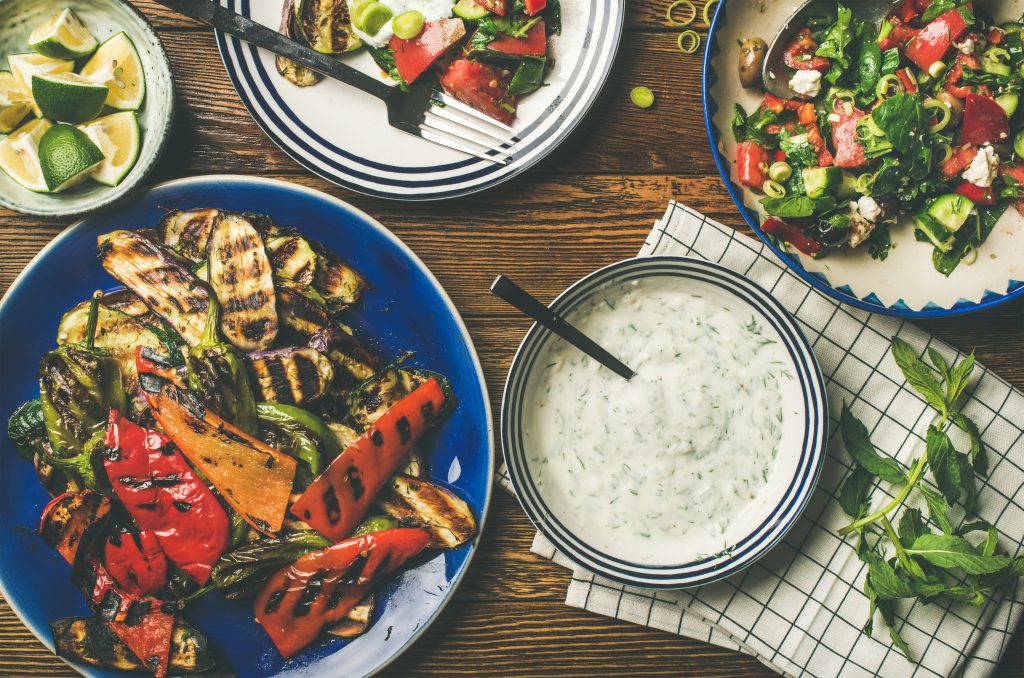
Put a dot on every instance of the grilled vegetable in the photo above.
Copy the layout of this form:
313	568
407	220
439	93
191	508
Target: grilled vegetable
293	72
375	523
327	25
353	363
70	520
159	278
291	256
254	479
53	480
27	429
321	588
217	373
370	400
358	619
165	497
241	572
149	638
336	501
299	433
187	231
339	284
90	640
240	276
415	465
135	560
80	466
419	503
290	375
301	308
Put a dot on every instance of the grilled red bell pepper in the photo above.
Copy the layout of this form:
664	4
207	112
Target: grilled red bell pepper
166	497
977	194
791	234
320	588
985	121
499	7
136	561
849	151
413	57
956	73
960	160
340	496
149	638
534	7
899	36
68	518
935	40
534	44
800	54
751	164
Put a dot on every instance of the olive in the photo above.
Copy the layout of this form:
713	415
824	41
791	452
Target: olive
752	52
956	107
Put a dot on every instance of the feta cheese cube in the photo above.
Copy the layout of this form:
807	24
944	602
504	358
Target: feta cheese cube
984	167
806	83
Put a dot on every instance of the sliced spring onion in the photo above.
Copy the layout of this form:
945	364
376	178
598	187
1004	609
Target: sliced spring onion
864	182
943	112
889	86
947	152
936	69
689	42
642	97
970	255
709	12
774	189
688	17
780	171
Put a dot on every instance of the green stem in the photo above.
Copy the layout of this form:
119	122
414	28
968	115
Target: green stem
94	313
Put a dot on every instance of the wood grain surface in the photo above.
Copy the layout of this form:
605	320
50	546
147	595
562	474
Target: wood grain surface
588	204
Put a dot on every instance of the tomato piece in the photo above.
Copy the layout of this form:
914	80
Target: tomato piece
849	150
936	39
906	11
899	36
533	7
800	54
806	115
499	7
413	57
961	159
136	561
791	234
751	164
977	194
985	121
1015	172
320	588
995	36
534	44
482	86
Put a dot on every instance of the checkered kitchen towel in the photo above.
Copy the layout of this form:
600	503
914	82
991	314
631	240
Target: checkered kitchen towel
800	609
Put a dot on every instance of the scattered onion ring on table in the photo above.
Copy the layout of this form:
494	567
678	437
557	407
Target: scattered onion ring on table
215	426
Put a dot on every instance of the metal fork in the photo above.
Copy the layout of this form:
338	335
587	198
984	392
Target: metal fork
422	110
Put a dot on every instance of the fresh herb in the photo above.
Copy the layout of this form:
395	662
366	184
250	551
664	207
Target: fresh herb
752	128
799	151
913	561
939	7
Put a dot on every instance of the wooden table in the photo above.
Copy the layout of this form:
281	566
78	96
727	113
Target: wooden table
589	204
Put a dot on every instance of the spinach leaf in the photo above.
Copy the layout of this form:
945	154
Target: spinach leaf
858	444
918	374
799	151
903	120
944	464
796	206
528	77
880	241
890	61
949	551
967	238
553	17
888	177
752	128
833	45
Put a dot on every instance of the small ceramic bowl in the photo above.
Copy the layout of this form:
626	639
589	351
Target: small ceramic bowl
103	18
758	525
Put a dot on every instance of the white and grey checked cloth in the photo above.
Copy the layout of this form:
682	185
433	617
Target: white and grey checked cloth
800	609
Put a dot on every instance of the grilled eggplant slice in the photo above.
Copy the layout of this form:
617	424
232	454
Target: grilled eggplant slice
415	465
241	277
301	309
291	256
353	362
187	231
290	375
160	278
375	396
293	72
90	640
419	503
358	619
69	519
339	284
327	25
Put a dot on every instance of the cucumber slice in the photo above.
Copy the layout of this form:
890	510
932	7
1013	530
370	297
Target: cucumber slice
468	9
848	187
818	181
1008	102
950	211
1018	144
934	231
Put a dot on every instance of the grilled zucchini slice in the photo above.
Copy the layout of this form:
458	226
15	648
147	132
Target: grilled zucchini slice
160	278
90	640
339	284
370	400
420	503
187	231
353	362
241	277
290	375
291	256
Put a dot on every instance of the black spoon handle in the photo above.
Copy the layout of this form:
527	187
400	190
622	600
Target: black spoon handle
507	290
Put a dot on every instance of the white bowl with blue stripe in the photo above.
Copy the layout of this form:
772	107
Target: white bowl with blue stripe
343	135
797	465
905	284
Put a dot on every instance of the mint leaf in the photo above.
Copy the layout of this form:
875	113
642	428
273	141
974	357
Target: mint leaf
940	363
911	527
886	607
979	457
991	542
853	497
948	551
936	508
967	481
918	374
887	584
858	444
958	377
943	462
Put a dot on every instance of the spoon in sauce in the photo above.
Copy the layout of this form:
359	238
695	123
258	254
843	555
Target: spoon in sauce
775	72
508	291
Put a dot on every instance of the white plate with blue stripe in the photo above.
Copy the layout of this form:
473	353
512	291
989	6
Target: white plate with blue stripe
342	134
797	465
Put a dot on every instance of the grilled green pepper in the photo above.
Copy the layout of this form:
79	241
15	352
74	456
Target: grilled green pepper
299	433
78	386
217	372
241	573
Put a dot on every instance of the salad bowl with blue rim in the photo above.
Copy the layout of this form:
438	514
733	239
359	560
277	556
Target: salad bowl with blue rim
764	520
905	283
405	309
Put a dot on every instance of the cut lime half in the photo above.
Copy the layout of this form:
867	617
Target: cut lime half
63	37
24	66
118	137
14	104
116	65
67	156
68	97
19	155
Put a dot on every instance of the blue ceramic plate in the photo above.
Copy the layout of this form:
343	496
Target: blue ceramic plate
905	284
797	465
406	309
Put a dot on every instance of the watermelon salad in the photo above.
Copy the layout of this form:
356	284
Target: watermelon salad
918	116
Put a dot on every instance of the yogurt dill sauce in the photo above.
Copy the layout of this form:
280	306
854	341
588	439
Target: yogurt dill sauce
674	464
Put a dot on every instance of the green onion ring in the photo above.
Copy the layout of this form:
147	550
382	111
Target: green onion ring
708	12
774	189
889	85
681	3
947	152
864	182
970	255
695	42
945	115
642	97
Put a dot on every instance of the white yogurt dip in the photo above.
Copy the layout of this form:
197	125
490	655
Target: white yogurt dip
673	464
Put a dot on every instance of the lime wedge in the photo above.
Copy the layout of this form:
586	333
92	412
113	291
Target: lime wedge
116	65
68	97
24	66
19	155
67	156
63	37
14	104
118	137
